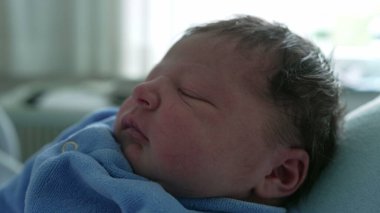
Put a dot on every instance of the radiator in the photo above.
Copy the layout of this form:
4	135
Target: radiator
35	128
40	110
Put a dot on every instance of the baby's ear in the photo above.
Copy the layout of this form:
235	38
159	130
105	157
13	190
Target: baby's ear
288	172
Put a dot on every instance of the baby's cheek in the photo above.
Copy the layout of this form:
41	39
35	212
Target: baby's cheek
180	161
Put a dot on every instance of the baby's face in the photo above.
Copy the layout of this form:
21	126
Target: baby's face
193	127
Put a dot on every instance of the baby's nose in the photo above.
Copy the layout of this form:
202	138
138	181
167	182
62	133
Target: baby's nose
146	95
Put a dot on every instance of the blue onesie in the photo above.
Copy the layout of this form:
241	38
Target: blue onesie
84	170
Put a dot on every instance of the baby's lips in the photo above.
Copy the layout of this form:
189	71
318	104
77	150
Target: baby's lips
137	136
132	128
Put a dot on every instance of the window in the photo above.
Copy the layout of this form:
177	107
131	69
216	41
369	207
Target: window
348	29
107	39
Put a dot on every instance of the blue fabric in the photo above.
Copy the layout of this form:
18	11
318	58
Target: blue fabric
351	184
83	170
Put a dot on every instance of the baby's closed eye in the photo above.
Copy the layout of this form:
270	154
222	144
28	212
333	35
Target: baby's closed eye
191	94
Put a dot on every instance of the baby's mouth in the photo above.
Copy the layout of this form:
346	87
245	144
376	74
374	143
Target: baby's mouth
133	130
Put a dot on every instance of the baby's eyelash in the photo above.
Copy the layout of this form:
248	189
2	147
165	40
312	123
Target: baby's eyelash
189	94
195	96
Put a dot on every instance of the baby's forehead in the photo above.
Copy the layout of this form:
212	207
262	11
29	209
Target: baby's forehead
260	65
247	67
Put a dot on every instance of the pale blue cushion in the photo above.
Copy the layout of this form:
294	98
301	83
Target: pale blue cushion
9	167
8	137
352	182
9	148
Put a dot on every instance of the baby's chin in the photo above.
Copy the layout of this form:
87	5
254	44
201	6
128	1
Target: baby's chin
132	152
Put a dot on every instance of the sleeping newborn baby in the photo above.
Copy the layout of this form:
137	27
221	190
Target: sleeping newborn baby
227	121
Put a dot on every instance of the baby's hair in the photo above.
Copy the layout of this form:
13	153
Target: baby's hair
304	88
